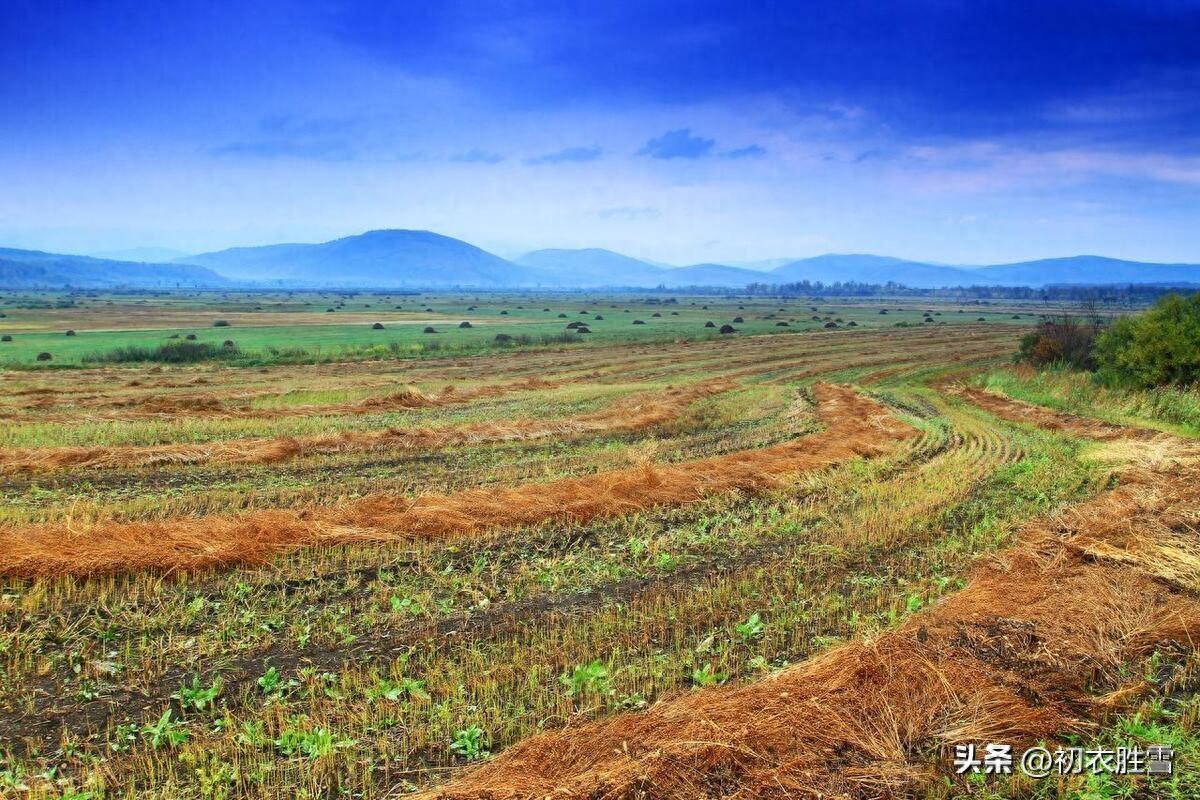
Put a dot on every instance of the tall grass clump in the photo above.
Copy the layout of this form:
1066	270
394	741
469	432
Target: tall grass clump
1085	394
184	352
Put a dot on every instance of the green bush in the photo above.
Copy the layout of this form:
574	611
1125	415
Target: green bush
1160	347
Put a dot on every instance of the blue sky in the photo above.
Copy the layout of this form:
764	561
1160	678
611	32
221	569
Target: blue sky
964	131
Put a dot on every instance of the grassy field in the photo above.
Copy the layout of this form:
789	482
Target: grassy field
371	574
270	328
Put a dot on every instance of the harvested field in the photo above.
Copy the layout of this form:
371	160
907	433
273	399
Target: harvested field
656	561
853	427
627	414
1031	650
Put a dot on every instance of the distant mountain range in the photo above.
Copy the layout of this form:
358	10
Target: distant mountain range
144	255
594	267
425	260
605	268
872	269
33	269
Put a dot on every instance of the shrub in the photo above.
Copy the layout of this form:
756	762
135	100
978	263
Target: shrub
430	329
728	329
503	338
228	343
6	338
710	324
738	320
781	325
70	333
1160	347
378	326
638	322
1065	340
220	323
830	324
44	356
464	324
191	337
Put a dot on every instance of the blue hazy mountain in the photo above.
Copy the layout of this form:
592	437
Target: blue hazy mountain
34	269
143	255
832	268
595	267
592	266
1072	270
379	258
713	275
764	264
1086	269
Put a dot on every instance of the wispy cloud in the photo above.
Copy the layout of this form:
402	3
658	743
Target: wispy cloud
678	144
331	150
989	167
750	151
568	155
290	136
477	156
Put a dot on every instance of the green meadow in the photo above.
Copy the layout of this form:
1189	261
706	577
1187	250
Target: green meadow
299	329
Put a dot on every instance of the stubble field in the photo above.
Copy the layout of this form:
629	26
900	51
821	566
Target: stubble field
647	561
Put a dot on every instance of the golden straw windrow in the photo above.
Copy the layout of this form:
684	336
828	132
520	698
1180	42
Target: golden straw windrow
854	426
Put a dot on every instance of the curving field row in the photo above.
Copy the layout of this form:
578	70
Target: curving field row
1027	652
626	414
854	427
